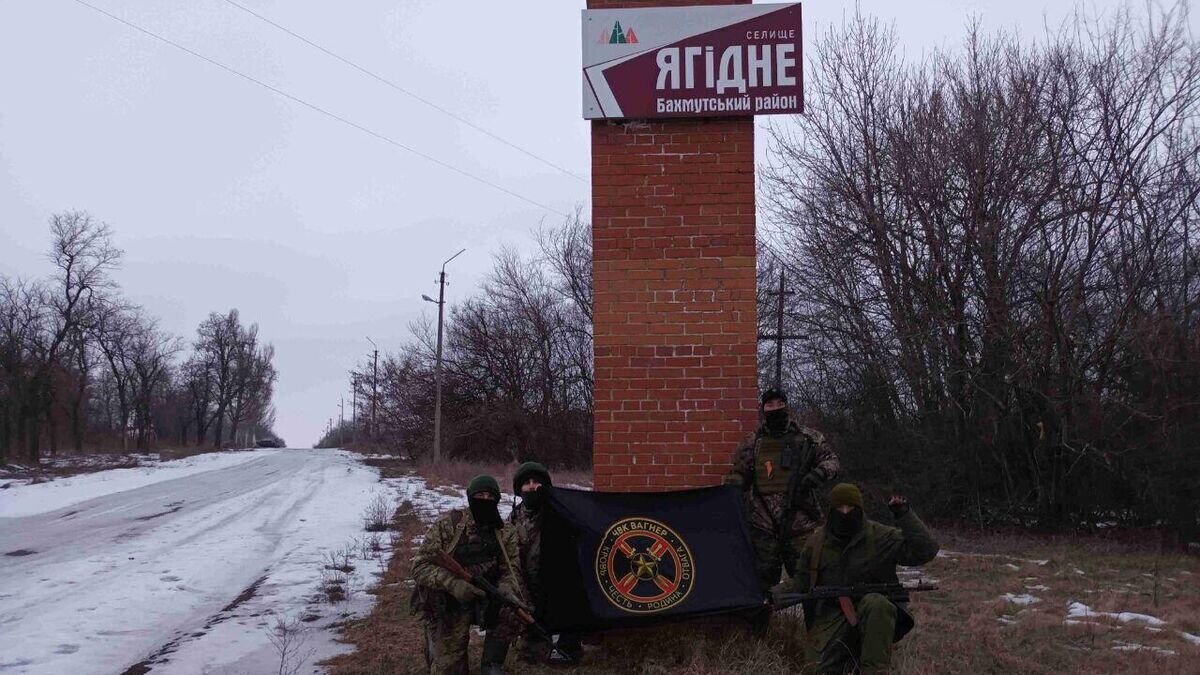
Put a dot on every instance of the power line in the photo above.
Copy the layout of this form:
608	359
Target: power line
408	93
323	111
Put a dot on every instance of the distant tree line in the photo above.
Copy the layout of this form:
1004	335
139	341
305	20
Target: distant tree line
82	369
992	256
517	366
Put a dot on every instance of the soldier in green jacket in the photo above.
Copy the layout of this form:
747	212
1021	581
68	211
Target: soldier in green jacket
780	469
851	550
476	538
532	482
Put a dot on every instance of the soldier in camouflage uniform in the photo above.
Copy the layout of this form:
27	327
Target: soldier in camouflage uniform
531	482
852	550
476	538
780	468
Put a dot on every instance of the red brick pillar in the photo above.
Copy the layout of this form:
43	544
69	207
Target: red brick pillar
674	277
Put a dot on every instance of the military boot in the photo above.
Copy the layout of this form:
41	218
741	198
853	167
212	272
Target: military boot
494	653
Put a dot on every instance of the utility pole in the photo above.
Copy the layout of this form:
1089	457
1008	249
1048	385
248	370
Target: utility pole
354	404
374	431
341	420
437	372
779	337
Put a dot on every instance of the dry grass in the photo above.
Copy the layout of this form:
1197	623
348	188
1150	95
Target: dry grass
965	627
458	474
454	473
388	640
968	626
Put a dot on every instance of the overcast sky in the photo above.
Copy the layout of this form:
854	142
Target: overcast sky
224	194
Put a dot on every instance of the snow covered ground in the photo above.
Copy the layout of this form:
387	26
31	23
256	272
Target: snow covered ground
27	500
185	568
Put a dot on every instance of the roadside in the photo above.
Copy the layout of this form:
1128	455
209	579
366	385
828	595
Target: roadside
1006	604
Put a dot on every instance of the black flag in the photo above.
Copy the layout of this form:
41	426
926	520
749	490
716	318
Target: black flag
621	559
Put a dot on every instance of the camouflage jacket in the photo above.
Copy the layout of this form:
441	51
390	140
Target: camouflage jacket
454	533
870	557
528	525
765	511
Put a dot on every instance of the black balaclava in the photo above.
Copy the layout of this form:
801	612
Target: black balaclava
486	512
843	526
776	420
532	499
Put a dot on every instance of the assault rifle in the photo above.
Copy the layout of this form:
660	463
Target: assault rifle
846	595
523	611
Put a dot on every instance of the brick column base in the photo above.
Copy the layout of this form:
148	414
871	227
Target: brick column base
674	300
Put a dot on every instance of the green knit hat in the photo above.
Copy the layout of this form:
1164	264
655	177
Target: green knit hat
530	470
845	494
484	483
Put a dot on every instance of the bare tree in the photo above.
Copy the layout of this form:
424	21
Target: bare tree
74	354
983	245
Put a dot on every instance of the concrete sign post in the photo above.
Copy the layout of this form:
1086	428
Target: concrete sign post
673	227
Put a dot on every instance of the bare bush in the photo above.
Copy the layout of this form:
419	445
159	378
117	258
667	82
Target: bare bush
289	637
378	515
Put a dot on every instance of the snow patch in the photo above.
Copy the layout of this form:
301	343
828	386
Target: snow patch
1031	561
1135	647
1078	610
1023	599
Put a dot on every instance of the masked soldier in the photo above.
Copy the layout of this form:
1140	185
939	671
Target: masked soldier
780	468
476	538
531	483
852	550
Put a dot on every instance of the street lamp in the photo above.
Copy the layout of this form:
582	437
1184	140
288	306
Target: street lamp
437	373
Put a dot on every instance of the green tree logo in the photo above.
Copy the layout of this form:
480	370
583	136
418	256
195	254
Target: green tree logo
621	37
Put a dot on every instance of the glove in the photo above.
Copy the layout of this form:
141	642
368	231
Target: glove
464	592
899	505
778	591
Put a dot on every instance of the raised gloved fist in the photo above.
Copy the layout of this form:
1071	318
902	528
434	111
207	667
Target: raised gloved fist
464	592
898	504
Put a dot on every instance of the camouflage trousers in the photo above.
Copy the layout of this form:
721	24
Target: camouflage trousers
447	637
771	556
839	647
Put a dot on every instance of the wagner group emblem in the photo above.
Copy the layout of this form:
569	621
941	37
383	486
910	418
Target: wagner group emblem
644	566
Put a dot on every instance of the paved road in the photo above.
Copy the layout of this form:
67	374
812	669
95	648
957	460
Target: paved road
100	585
